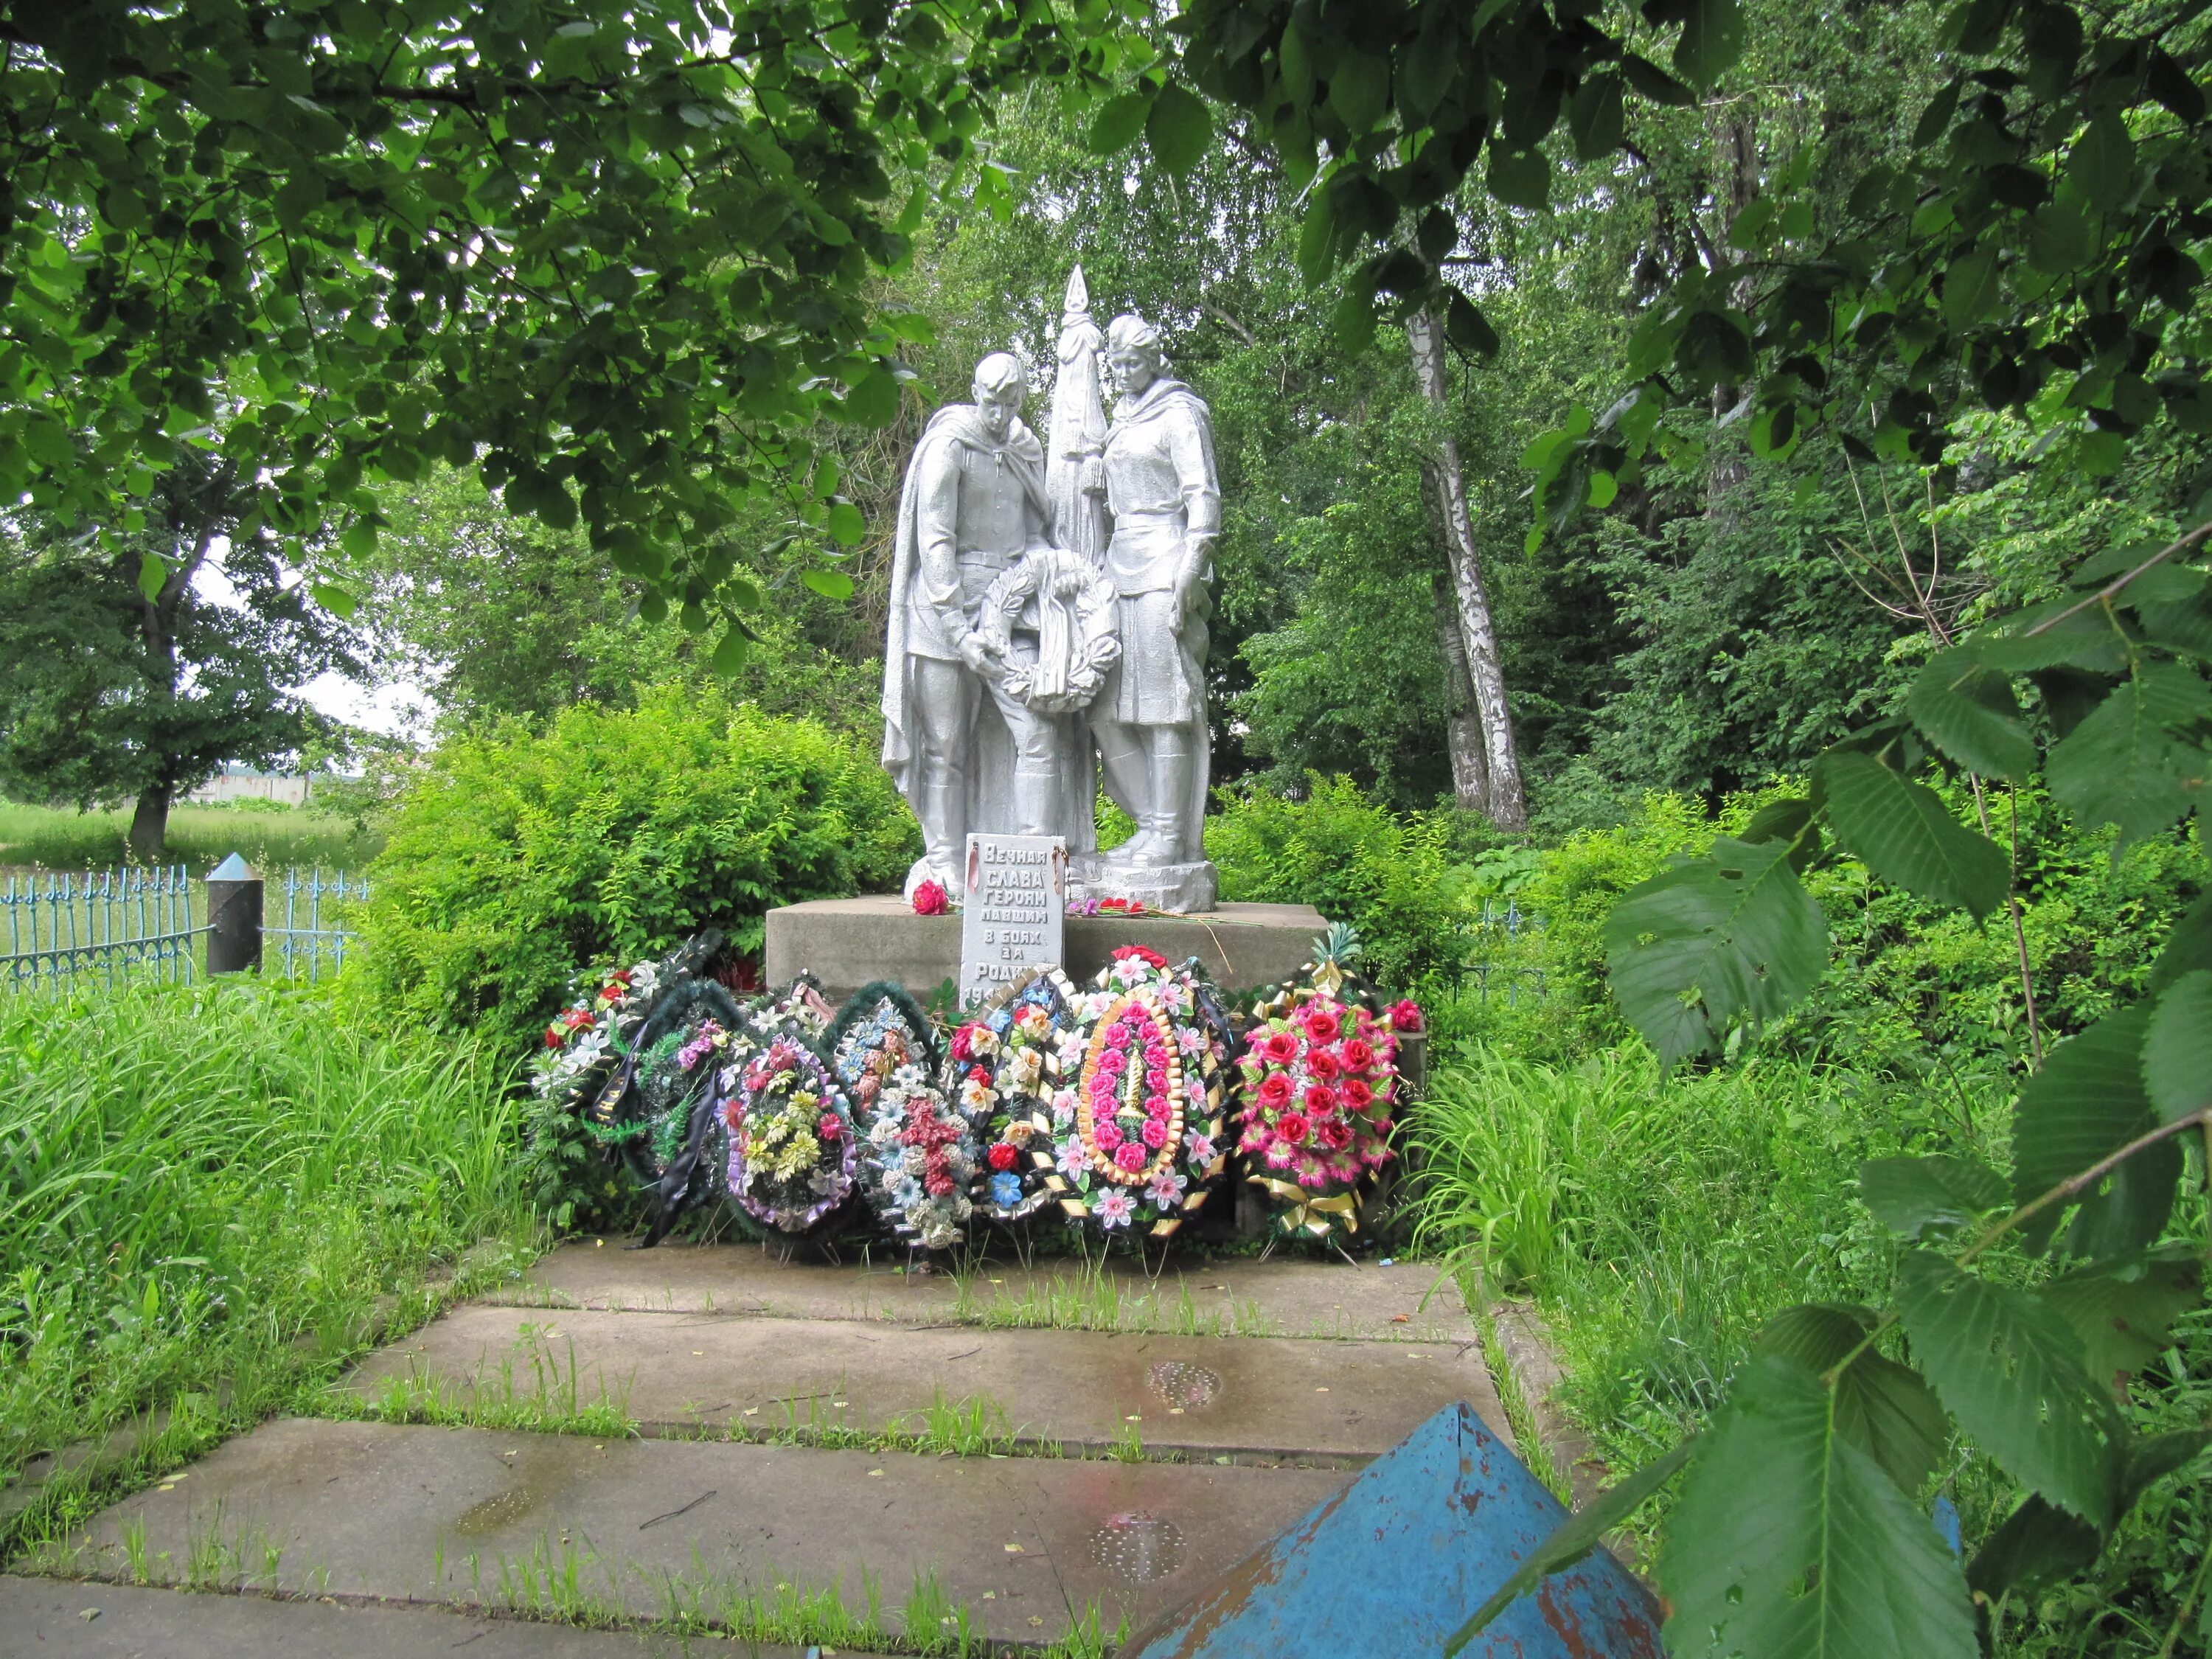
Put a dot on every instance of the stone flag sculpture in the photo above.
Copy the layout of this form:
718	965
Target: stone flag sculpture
1048	610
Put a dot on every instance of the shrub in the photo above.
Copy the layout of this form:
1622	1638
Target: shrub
1390	876
522	857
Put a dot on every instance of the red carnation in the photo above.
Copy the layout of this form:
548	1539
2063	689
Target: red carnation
1405	1016
1004	1156
938	1186
930	899
830	1126
1138	950
1275	1090
1291	1128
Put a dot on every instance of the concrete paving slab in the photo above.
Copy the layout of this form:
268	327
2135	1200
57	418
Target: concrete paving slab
48	1617
1291	1399
482	1518
1403	1301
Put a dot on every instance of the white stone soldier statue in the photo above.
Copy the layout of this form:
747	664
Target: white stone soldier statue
967	752
1166	498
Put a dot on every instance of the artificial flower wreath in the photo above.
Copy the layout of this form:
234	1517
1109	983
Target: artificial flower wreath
1141	1144
792	1154
918	1157
1003	1075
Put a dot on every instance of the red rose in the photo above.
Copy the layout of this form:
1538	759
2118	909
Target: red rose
1358	1056
1275	1090
1003	1157
963	1043
1322	1063
930	899
1321	1099
1405	1016
979	1074
1333	1132
829	1126
1291	1128
1281	1048
1357	1094
1321	1024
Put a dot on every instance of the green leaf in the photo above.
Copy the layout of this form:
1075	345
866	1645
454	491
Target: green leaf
1654	83
2187	947
1969	711
1789	1540
1317	240
2039	1544
1466	327
1352	321
2059	238
2010	1369
1881	1408
1520	177
873	402
1358	89
1909	1195
1179	129
2177	1054
1118	122
846	524
1790	819
1573	1538
2121	1310
731	653
2122	764
359	538
1595	120
153	571
830	584
2102	164
1970	286
1903	832
1712	40
335	597
1714	940
2086	1103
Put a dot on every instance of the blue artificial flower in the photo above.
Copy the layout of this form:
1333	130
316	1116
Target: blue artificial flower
1006	1189
1002	1019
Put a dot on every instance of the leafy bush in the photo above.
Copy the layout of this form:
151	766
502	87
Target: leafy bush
1391	875
192	1178
520	857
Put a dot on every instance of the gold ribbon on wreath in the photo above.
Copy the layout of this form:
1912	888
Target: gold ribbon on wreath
1303	1210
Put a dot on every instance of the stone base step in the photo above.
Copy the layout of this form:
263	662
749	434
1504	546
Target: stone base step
1407	1301
1025	1548
1330	1403
64	1619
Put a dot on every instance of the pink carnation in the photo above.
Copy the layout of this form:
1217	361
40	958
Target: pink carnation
1108	1136
1154	1133
1129	1156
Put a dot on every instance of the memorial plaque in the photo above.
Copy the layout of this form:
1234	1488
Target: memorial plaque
1013	909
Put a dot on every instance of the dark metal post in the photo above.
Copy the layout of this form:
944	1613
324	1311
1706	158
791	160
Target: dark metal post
234	918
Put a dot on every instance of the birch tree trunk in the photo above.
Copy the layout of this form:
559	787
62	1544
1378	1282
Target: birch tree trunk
1506	803
1470	770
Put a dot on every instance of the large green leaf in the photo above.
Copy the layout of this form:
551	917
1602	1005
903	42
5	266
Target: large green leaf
1712	40
2122	1309
2176	1053
2010	1369
1968	710
1716	939
1902	831
2040	1543
1118	122
2086	1103
1179	129
2125	764
1790	1542
2187	947
1881	1408
1575	1538
1909	1195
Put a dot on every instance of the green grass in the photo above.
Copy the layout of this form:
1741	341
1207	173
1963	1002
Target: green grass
210	1195
200	837
1658	1220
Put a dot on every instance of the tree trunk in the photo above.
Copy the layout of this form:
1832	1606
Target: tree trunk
149	823
1462	725
1506	803
1738	142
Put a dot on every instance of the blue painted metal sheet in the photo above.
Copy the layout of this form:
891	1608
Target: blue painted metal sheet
1394	1563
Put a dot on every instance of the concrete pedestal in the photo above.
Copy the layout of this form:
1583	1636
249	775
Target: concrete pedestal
846	943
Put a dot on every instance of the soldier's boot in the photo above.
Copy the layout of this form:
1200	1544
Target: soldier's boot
1034	789
1170	795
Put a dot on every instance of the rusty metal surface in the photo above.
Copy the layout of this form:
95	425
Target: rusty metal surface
1393	1564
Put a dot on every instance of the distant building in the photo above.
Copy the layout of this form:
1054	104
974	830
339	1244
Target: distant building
236	783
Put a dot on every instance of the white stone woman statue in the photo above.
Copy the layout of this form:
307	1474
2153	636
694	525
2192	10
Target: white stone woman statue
1150	718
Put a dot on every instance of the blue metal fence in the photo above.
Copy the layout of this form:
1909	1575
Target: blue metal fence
110	922
1495	952
115	925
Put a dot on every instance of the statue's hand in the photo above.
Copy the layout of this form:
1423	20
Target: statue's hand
1091	480
977	655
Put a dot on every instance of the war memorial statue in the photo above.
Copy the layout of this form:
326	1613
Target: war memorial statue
1048	612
